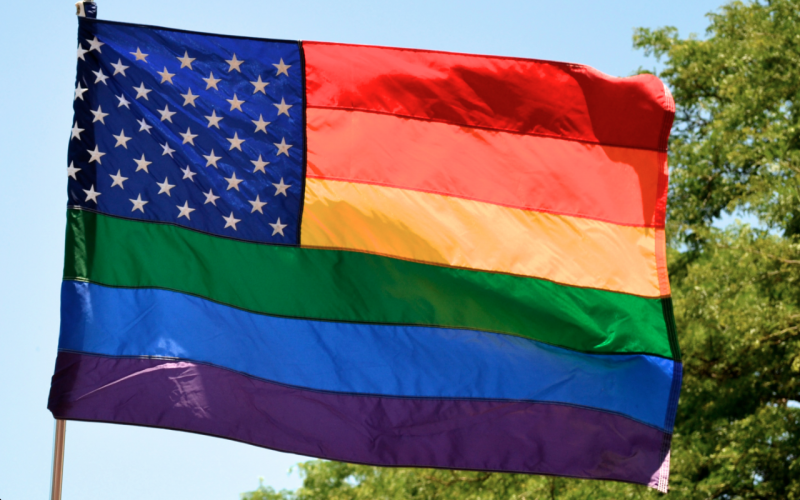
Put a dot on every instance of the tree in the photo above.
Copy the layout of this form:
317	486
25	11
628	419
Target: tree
735	148
325	480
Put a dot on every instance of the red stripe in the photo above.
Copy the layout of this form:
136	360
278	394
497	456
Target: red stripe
527	96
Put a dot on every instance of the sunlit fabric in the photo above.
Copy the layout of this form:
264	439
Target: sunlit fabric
481	236
385	256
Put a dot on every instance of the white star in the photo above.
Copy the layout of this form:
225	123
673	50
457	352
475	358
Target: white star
79	92
189	98
211	81
138	204
234	64
235	142
139	55
213	120
100	77
141	91
167	150
283	108
211	198
260	124
123	101
99	116
212	159
166	76
260	164
91	194
166	114
76	131
121	139
81	52
231	221
257	204
96	154
71	170
188	174
95	45
277	228
186	62
283	148
119	67
259	86
141	164
143	126
235	103
233	182
118	179
185	210
282	68
188	136
281	188
165	186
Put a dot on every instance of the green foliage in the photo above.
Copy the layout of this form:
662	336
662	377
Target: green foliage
341	481
735	146
737	311
736	139
267	493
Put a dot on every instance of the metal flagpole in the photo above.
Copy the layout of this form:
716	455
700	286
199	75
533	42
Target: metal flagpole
58	459
83	8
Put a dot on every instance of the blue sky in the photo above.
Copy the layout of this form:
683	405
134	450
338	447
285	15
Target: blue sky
39	40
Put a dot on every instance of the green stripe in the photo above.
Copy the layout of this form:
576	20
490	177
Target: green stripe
355	287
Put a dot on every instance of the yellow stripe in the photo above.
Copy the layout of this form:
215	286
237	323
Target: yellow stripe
444	230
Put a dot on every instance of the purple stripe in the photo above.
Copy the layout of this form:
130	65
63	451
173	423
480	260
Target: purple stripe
459	434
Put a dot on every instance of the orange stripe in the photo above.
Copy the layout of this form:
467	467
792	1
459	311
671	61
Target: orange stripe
605	183
661	263
450	231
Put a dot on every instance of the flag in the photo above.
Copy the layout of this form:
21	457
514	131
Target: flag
375	255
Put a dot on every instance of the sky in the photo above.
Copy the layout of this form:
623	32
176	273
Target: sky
39	39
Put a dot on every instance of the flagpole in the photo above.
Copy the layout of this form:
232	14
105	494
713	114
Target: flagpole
82	10
58	459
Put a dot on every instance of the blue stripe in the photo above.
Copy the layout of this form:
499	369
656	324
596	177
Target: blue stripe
352	358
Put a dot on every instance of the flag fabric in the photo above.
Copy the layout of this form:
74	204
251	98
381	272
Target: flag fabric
385	256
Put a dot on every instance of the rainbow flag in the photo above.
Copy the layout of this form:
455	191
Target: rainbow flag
376	255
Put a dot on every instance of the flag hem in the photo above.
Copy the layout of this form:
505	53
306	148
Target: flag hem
178	30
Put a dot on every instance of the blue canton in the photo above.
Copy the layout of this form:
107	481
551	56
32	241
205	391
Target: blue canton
203	131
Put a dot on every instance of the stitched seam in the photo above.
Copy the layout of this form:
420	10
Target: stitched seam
481	200
305	148
81	279
168	359
483	127
492	271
